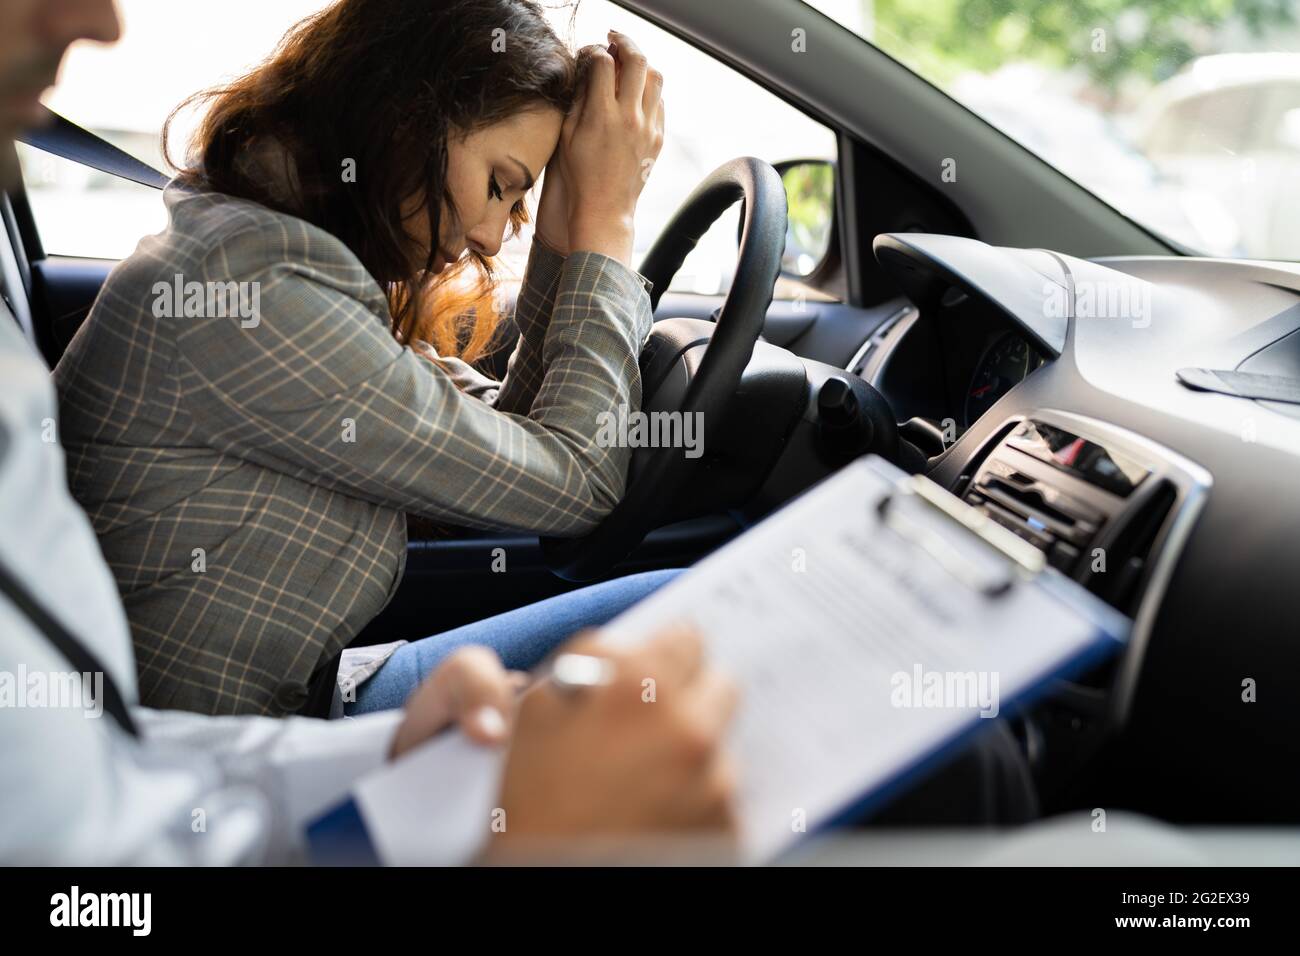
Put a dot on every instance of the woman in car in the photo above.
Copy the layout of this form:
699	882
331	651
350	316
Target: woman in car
266	389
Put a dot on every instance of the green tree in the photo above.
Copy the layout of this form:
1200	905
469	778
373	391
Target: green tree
1113	40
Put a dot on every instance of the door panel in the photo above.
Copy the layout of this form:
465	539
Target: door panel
63	290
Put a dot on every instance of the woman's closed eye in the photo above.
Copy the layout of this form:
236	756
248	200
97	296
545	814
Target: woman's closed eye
495	192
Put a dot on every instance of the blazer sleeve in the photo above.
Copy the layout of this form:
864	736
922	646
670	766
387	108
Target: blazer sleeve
318	389
533	309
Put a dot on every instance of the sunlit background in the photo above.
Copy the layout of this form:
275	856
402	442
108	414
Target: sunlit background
1183	114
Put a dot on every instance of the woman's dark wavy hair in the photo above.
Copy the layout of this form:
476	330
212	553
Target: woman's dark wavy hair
386	83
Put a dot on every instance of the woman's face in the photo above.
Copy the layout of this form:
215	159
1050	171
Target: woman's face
488	171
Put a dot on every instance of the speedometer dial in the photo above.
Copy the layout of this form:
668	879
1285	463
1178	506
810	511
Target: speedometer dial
1007	363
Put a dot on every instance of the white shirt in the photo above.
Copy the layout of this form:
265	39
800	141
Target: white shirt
76	789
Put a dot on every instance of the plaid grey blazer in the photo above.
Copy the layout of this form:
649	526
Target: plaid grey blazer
248	453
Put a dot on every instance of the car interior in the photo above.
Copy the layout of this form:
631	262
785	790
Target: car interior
925	340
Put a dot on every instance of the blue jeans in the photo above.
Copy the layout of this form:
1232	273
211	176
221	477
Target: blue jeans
521	637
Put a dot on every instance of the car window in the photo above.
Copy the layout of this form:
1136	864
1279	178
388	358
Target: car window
125	92
1157	108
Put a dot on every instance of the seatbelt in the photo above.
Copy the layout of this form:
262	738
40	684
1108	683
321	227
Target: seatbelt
82	661
65	138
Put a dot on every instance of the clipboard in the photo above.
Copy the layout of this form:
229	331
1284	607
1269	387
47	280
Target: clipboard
896	573
1006	577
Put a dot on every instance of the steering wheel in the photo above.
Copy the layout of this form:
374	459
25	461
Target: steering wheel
660	475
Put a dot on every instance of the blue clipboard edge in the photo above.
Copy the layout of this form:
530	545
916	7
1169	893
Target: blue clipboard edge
339	837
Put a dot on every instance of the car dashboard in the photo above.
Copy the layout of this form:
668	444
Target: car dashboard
1044	390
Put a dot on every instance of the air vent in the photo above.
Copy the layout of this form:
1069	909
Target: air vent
1060	525
1031	502
1128	549
1069	496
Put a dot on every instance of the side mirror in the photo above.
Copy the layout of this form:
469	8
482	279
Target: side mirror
810	203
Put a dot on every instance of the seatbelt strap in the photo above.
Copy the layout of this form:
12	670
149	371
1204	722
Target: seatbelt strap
81	659
65	138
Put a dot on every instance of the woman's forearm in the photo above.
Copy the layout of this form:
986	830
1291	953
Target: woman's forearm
533	310
380	423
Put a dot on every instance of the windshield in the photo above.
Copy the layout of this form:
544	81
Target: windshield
1182	114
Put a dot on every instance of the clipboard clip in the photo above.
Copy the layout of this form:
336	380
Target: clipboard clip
1023	559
